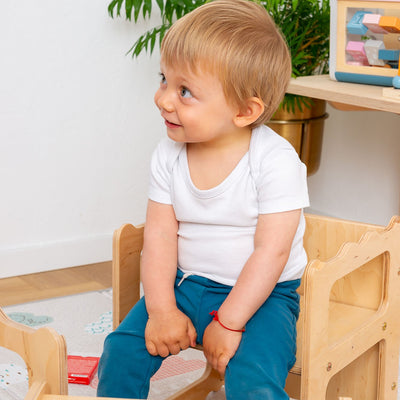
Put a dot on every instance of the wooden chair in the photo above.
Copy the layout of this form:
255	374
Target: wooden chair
45	355
348	330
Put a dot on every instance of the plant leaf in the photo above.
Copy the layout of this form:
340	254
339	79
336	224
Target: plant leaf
160	4
137	4
128	8
147	8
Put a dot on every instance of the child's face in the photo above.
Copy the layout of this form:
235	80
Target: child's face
194	106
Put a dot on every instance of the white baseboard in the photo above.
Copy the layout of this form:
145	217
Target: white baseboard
49	256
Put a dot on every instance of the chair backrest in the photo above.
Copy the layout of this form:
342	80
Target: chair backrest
44	353
127	248
324	236
323	239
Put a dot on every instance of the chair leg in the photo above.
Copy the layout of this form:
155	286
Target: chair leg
388	371
199	389
37	390
315	389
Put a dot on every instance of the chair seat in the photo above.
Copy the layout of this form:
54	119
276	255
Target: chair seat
343	317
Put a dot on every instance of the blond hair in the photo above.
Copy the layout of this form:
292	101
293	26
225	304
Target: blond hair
237	40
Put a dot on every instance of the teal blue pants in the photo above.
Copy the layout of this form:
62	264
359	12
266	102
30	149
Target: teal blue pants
257	371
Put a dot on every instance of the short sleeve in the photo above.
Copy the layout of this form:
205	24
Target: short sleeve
160	177
161	167
281	181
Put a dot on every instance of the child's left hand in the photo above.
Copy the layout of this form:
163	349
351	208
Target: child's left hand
220	345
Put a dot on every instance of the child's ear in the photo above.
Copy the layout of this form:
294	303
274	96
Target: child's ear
250	113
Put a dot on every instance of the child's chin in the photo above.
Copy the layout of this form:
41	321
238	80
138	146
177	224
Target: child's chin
173	136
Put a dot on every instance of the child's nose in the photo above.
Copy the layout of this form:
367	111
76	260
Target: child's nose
164	100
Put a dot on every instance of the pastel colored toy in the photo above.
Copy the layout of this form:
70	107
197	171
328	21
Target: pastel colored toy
390	24
389	54
371	21
372	48
356	26
396	79
356	63
357	52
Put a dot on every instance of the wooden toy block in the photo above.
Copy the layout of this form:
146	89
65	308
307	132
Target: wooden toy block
389	55
392	41
355	63
372	48
356	26
357	52
371	21
390	24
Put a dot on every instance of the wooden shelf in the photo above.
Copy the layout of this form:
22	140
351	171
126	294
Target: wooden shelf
322	87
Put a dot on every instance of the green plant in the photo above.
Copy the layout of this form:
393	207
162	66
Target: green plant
304	23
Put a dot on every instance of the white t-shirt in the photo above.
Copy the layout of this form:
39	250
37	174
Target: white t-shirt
217	226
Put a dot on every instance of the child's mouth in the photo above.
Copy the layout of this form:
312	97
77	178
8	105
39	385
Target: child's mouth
171	124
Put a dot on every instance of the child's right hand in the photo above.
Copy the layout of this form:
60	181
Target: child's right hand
169	332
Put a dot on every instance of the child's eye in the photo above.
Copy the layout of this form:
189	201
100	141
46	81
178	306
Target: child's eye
186	93
162	78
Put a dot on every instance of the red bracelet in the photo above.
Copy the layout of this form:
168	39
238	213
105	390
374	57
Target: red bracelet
215	315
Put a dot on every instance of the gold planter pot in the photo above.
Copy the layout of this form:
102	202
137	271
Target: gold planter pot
303	129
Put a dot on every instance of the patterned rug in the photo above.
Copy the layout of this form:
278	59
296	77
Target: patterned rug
85	320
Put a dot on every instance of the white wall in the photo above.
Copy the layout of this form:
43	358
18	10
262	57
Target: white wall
77	127
78	124
359	175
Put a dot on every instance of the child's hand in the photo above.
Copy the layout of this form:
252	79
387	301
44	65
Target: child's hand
220	345
168	333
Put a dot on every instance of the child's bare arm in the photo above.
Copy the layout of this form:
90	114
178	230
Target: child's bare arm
272	244
159	258
168	330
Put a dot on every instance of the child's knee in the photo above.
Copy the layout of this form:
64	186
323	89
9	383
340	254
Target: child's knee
126	353
116	347
124	343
